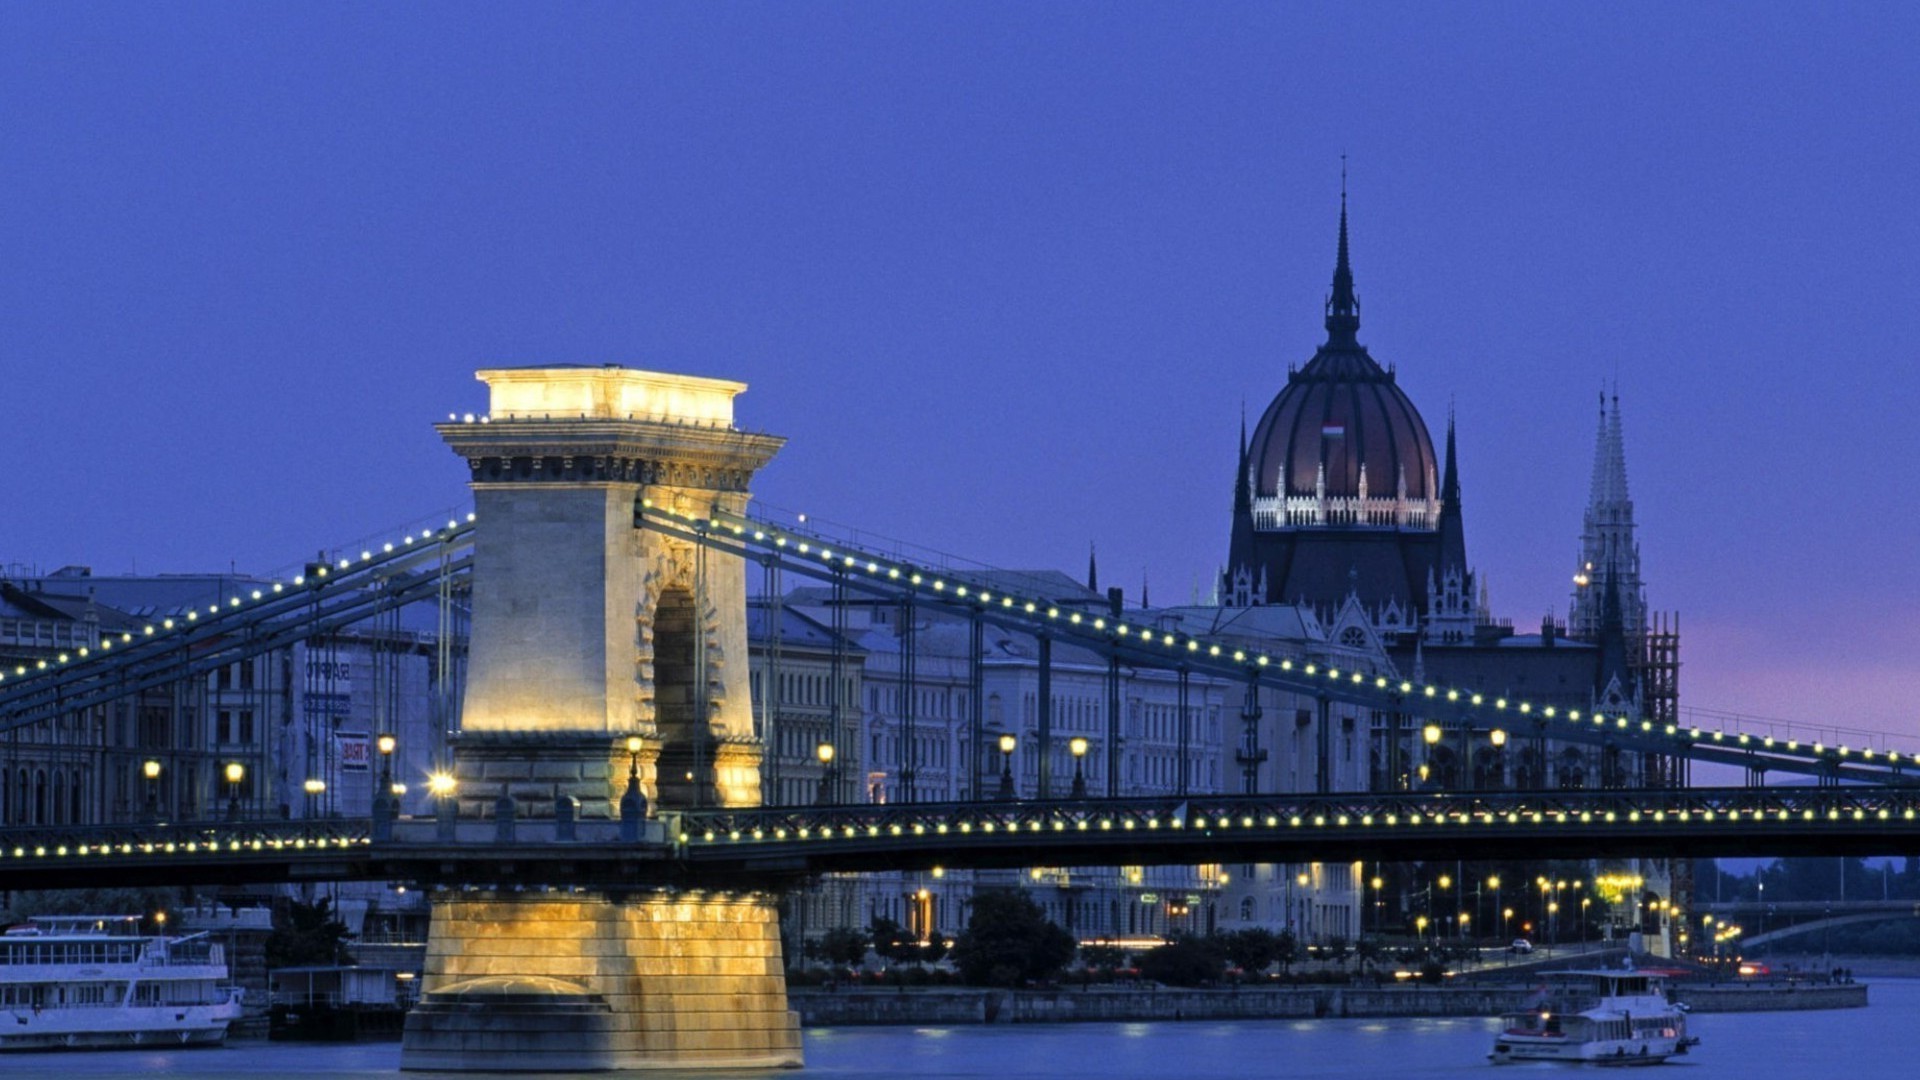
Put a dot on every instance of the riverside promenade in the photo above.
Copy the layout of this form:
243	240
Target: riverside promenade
845	1006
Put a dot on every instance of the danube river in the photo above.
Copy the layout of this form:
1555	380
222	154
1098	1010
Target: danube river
1858	1044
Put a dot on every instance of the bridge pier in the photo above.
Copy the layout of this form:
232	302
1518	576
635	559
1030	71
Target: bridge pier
582	980
589	632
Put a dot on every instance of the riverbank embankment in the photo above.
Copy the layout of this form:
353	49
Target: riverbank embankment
949	1006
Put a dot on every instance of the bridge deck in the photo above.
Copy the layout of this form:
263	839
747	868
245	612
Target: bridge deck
769	846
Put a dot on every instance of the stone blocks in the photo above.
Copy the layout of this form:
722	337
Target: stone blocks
653	980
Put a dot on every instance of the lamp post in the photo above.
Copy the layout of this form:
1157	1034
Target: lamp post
1430	734
315	787
1007	743
1306	906
1378	902
151	770
236	772
1493	883
1078	745
446	809
386	743
633	804
1498	737
825	753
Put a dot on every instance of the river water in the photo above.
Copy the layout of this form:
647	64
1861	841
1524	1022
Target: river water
1880	1042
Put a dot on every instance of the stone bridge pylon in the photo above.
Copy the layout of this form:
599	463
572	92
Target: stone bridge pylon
587	632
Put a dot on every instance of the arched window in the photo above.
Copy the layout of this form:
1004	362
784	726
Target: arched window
1246	909
40	796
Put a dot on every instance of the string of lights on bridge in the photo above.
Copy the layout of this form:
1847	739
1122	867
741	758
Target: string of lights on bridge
898	571
1645	814
1023	823
842	557
193	619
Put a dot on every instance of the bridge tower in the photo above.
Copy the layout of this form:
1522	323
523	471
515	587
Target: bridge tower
586	632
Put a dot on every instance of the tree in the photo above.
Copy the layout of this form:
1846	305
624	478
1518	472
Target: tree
1251	950
1370	952
106	901
1102	954
893	941
307	934
844	945
1008	940
1336	950
1184	961
1286	949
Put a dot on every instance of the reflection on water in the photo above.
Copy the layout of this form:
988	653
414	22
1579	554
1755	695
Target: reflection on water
1859	1044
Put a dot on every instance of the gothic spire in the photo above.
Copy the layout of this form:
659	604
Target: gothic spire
1243	480
1451	526
1343	308
1608	544
1093	569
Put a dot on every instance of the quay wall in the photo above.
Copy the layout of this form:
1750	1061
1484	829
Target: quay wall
949	1006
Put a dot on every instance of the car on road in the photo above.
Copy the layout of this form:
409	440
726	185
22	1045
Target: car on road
1520	945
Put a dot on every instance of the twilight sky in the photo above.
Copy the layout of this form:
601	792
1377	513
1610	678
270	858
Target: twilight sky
1004	273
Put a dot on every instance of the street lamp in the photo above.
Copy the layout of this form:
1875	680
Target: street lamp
1078	745
386	743
315	788
446	809
1498	737
236	772
1007	743
825	753
151	770
1378	902
633	804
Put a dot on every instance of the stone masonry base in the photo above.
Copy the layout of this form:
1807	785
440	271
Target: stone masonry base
582	981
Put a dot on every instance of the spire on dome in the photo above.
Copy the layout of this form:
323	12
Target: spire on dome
1343	308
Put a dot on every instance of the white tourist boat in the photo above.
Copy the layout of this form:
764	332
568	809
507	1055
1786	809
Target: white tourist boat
1596	1017
96	981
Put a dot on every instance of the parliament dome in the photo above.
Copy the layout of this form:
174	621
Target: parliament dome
1341	429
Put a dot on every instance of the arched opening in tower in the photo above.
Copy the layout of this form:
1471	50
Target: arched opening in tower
686	761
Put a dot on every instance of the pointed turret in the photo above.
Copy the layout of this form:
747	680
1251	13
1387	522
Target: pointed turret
1240	542
1243	480
1453	532
1614	683
1093	569
1343	307
1607	540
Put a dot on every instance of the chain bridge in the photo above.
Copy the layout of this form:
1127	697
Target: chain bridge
604	872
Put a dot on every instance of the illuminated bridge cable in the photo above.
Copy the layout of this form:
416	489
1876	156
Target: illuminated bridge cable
980	596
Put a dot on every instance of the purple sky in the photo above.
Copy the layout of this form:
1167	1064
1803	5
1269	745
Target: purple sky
1004	274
